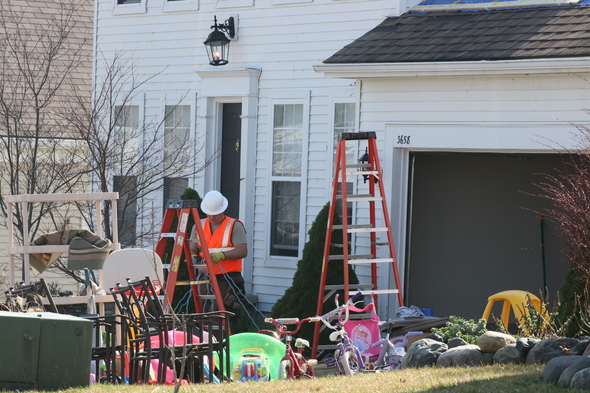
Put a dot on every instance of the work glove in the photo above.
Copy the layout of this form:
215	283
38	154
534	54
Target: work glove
217	257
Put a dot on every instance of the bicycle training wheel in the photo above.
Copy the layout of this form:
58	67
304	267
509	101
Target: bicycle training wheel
350	363
285	370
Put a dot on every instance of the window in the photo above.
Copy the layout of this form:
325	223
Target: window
176	133
286	175
180	5
123	7
174	187
344	121
126	186
126	134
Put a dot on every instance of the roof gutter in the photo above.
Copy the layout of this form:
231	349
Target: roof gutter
456	68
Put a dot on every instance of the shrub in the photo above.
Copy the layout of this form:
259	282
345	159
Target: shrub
468	330
300	300
543	323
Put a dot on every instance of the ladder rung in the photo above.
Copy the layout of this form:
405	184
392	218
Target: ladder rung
187	282
359	286
374	260
168	234
207	297
361	198
341	257
364	173
360	228
353	166
200	266
375	292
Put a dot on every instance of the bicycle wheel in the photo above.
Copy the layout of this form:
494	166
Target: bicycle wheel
350	363
306	369
284	370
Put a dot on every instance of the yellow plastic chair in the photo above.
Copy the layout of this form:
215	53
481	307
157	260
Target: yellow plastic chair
517	300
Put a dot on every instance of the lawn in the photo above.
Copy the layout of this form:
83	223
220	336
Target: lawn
485	379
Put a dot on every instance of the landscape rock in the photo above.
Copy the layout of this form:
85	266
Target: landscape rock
465	355
550	348
582	346
525	344
423	353
554	367
510	354
568	374
492	341
581	380
456	342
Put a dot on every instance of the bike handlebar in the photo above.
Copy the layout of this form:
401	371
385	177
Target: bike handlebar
281	324
338	310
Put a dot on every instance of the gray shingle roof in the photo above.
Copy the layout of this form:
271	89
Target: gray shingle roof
504	34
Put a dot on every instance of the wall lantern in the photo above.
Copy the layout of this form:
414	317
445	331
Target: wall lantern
364	159
217	43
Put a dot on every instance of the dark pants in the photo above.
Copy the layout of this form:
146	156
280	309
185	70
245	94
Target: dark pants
231	286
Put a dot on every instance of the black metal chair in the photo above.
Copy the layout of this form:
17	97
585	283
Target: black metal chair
108	343
154	335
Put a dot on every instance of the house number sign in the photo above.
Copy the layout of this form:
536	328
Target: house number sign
403	139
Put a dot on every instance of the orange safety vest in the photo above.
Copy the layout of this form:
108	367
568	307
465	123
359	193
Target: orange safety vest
220	240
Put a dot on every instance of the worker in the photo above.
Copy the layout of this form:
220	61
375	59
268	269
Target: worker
226	241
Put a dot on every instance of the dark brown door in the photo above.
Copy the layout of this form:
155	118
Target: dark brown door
231	147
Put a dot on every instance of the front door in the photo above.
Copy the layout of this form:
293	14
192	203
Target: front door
231	131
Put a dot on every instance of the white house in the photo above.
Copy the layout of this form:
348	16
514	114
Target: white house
273	116
474	102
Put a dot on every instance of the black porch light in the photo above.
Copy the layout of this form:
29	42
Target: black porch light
217	43
364	159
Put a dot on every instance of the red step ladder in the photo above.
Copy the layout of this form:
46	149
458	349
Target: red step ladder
370	169
183	210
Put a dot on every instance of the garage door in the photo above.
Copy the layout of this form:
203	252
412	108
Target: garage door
475	230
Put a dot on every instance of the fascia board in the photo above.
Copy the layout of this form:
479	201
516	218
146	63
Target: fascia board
459	68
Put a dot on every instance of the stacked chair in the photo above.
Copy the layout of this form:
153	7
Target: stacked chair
163	347
34	292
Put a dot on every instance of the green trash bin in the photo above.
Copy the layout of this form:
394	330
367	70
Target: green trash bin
44	351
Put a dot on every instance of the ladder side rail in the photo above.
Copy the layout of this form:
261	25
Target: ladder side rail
344	216
175	259
192	277
373	159
169	215
389	234
205	249
327	246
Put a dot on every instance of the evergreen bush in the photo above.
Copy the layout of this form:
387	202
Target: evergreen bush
300	300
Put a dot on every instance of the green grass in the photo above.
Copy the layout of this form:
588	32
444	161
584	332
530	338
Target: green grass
485	379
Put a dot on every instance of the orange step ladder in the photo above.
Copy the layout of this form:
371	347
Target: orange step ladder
183	210
370	169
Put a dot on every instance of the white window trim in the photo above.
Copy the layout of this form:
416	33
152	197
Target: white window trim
222	4
286	2
127	9
189	99
139	101
290	97
180	5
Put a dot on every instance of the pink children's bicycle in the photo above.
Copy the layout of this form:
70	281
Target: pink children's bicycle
293	365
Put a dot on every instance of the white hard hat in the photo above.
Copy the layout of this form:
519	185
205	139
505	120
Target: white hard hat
214	203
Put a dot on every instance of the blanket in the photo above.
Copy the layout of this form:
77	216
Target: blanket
87	250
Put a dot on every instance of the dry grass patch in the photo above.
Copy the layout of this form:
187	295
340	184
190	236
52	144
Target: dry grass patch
486	379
